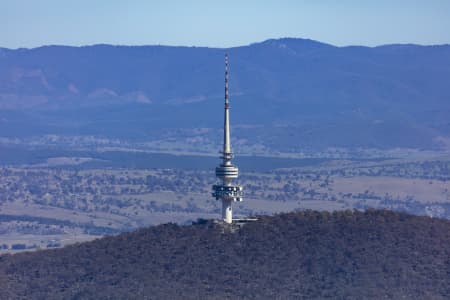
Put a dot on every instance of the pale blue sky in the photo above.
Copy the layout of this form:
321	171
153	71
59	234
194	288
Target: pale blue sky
32	23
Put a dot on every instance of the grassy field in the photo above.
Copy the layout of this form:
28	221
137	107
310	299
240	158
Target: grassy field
422	190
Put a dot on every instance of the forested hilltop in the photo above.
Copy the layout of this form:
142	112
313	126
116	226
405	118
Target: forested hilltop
348	254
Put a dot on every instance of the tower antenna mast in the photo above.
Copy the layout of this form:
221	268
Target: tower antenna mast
226	171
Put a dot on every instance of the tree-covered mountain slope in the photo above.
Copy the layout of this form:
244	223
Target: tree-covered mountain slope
310	255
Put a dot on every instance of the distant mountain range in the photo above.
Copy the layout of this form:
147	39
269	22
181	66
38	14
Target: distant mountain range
284	92
304	255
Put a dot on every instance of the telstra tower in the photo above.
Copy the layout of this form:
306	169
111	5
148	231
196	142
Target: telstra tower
226	172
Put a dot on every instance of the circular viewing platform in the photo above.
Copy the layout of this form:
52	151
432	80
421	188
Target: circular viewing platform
227	172
233	193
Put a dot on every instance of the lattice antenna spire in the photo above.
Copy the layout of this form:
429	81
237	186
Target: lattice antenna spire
226	78
226	126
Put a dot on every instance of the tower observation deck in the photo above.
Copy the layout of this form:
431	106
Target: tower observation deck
226	171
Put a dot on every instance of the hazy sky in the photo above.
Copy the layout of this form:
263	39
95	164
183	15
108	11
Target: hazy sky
31	23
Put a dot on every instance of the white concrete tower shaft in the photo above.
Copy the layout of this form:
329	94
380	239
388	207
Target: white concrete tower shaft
227	210
227	192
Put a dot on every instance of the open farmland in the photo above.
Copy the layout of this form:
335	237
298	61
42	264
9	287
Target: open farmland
44	206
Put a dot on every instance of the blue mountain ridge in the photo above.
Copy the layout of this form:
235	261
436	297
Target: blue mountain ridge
293	90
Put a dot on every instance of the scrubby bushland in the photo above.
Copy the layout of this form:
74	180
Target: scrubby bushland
352	255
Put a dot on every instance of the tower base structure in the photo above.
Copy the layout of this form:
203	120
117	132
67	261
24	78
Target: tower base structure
227	211
228	194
